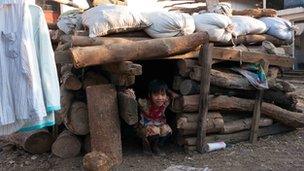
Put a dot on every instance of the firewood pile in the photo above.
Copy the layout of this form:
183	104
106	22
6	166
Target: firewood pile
94	71
231	103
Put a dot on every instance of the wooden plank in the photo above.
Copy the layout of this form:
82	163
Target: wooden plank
252	57
256	117
104	121
206	56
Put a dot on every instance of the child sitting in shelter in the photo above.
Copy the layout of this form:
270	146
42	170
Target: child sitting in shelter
153	126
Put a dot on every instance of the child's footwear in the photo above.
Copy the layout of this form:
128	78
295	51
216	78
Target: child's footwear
154	142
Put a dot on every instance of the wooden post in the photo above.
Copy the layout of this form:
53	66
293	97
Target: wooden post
104	121
206	56
256	117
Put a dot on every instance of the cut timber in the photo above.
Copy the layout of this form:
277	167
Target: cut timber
185	65
177	80
255	39
88	41
69	80
92	78
241	136
122	79
66	145
223	79
256	13
125	67
187	123
205	55
66	98
230	54
63	57
104	121
189	87
128	106
97	161
225	103
243	124
256	117
140	50
252	57
77	120
35	142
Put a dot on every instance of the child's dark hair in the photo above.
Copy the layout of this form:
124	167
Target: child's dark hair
157	86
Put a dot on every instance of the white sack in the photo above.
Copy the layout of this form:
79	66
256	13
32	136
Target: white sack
70	21
278	27
169	24
218	26
244	25
106	19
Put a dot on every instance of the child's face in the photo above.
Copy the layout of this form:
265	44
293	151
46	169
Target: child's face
159	98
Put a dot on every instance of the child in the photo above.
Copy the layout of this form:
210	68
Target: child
153	125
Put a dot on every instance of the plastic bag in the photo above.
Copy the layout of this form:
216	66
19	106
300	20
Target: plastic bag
106	19
218	26
247	25
255	75
169	24
278	27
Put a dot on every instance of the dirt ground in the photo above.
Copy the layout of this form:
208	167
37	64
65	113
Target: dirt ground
277	152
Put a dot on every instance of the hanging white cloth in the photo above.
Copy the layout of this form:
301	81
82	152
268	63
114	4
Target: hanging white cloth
21	95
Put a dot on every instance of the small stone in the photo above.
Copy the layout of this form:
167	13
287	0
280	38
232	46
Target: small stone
27	163
11	162
34	157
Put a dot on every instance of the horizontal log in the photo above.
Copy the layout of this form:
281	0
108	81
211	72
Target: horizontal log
185	66
68	79
122	79
225	103
256	13
140	50
124	67
92	78
66	145
63	57
35	142
241	136
128	106
187	123
177	80
66	99
87	41
254	40
243	124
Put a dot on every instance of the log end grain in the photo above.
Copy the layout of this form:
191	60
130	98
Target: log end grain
97	161
66	145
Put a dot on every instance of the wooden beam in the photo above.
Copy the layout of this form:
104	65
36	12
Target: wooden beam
256	117
206	56
252	57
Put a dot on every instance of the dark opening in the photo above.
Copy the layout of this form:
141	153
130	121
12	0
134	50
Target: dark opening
156	69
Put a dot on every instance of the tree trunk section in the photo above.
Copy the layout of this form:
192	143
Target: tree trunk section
225	103
77	120
104	121
66	99
128	106
187	123
241	136
97	161
140	50
189	87
92	78
177	80
35	142
185	66
125	67
243	124
66	145
69	80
